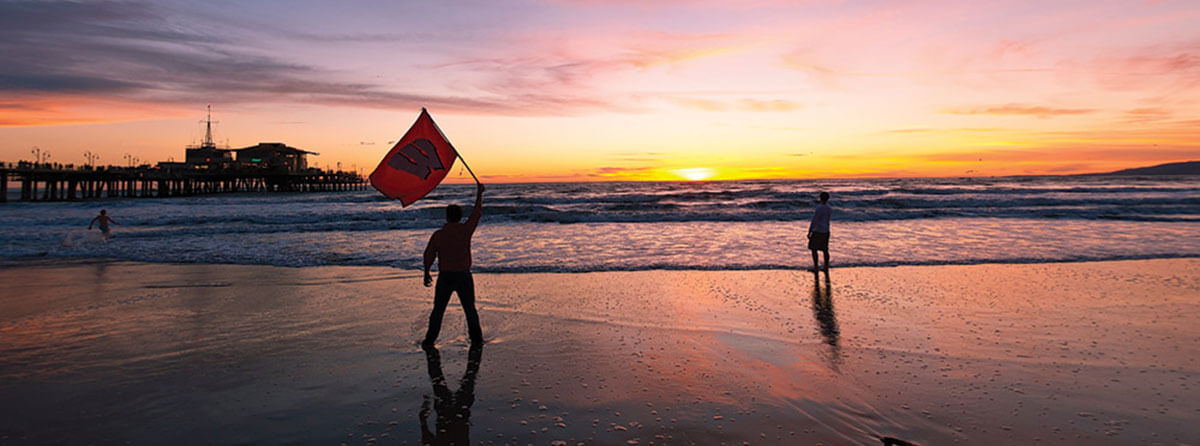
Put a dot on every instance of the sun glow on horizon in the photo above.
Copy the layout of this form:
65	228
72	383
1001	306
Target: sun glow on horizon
695	173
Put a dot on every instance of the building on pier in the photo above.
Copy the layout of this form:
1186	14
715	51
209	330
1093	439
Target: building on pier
273	156
265	156
207	158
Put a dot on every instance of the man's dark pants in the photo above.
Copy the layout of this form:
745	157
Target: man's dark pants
462	283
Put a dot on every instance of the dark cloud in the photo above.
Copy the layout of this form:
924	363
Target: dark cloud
134	51
18	106
360	37
17	82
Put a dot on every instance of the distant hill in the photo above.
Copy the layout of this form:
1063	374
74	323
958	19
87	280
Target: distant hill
1184	168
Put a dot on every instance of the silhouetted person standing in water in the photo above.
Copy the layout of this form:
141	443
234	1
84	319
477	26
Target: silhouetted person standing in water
104	221
818	231
451	246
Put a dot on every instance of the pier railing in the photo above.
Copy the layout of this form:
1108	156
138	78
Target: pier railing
59	182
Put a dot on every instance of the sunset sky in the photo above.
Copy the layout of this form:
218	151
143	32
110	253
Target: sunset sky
617	89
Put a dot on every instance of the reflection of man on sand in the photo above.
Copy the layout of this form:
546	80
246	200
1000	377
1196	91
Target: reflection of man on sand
453	408
104	220
822	307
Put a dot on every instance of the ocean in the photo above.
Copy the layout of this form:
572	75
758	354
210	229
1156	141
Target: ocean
582	227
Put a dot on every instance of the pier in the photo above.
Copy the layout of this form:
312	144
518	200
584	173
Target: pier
57	182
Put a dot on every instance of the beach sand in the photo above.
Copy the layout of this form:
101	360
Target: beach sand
1063	353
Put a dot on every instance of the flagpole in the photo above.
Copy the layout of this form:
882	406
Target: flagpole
464	160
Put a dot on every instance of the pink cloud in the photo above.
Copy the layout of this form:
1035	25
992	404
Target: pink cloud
1019	110
1174	68
745	104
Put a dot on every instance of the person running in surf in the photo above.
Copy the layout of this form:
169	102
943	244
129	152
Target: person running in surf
104	220
451	247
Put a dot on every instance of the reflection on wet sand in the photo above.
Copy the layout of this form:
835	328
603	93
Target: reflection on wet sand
453	422
822	307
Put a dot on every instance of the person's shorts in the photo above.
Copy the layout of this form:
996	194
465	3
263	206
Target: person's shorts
819	241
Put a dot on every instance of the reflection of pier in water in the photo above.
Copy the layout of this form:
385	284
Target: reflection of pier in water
56	182
822	307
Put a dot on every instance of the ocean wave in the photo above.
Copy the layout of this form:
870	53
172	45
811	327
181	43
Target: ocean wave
154	225
582	227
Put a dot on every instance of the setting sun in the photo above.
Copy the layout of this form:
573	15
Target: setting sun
695	173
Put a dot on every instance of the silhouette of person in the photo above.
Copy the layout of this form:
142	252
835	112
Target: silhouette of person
453	422
451	246
822	307
104	220
818	231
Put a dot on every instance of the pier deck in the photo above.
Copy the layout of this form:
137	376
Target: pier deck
55	182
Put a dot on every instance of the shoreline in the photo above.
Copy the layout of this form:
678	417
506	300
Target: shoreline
52	261
1085	352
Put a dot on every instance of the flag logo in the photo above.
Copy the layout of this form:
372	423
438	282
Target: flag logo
418	158
416	164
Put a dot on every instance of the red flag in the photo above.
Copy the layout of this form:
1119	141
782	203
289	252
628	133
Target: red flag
416	164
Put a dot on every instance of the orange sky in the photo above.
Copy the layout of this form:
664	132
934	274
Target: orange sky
618	90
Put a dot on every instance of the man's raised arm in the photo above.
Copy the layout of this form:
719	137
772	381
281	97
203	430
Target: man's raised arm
477	211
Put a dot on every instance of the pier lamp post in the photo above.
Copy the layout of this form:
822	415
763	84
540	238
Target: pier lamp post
91	158
39	155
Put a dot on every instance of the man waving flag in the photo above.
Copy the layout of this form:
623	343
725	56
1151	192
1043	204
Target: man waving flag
416	164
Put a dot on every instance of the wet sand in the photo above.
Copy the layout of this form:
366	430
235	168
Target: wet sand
1067	353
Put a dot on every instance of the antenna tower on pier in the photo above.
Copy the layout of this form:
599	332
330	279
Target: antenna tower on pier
208	139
